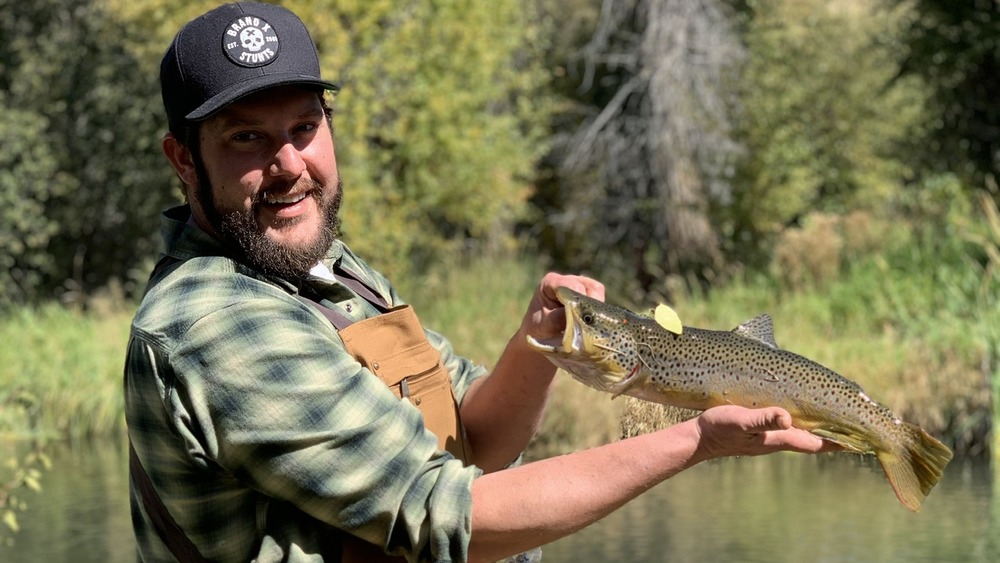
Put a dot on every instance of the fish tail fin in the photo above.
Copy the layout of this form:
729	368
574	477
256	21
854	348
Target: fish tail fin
915	466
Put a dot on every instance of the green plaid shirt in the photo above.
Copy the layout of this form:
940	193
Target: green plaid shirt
262	435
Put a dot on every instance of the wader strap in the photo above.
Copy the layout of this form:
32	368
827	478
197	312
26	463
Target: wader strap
168	530
356	283
339	320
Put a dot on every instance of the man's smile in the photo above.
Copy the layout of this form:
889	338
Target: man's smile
289	203
272	198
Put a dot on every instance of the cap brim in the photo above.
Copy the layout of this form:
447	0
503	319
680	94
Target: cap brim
258	83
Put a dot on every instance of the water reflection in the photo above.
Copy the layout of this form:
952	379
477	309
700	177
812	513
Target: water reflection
82	512
835	508
784	508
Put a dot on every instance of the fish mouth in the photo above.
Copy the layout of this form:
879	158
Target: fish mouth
572	340
578	351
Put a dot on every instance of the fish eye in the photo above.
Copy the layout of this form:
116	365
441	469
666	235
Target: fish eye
588	319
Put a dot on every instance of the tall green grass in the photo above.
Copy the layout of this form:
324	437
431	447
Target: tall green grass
61	371
60	378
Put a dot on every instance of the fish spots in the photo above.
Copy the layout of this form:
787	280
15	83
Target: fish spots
702	365
623	353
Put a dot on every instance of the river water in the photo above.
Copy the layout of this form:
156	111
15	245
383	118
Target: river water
781	508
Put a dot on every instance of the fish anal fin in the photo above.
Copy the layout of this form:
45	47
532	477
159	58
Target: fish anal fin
902	478
759	328
913	461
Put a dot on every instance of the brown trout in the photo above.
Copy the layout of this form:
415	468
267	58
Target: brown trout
614	350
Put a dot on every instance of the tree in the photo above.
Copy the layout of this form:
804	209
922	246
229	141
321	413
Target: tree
955	48
29	177
824	119
440	123
633	178
86	169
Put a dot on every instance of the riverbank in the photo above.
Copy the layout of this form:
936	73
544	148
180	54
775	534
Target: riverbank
60	372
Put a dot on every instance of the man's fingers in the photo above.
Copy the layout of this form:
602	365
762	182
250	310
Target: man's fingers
771	418
580	284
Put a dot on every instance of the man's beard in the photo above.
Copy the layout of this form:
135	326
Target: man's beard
241	231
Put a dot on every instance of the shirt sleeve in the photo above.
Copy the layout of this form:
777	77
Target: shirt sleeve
267	391
462	370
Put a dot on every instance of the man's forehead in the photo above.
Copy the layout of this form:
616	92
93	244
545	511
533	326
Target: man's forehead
288	102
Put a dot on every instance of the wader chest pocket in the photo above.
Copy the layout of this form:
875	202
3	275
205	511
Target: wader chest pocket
393	346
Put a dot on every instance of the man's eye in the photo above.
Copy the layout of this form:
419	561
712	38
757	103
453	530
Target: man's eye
245	137
306	127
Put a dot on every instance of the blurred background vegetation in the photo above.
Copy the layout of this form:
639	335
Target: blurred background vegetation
832	163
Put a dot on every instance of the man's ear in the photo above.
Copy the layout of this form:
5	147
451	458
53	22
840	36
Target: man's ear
180	157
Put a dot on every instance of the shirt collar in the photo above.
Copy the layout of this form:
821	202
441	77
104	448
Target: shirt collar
182	239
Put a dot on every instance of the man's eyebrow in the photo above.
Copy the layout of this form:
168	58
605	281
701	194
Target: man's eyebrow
312	113
232	121
228	121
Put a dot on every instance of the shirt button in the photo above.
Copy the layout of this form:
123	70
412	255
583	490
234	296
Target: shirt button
349	307
375	365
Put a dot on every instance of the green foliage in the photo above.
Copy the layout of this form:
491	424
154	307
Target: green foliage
64	368
909	307
953	46
477	302
823	116
79	149
19	472
437	131
29	178
437	123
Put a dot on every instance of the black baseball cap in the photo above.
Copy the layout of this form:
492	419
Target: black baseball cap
233	51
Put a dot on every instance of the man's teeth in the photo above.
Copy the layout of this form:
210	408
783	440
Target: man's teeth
274	198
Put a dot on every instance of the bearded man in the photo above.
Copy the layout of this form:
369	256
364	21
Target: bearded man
285	404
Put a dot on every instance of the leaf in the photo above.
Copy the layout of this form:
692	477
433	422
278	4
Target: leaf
32	483
668	319
10	519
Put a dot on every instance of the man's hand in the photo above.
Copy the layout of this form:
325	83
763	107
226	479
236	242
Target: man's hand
736	431
517	389
545	317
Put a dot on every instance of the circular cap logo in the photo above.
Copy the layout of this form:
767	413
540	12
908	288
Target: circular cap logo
250	41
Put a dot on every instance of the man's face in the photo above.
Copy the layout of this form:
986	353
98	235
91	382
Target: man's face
267	179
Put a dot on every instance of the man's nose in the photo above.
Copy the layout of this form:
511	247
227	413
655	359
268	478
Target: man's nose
287	162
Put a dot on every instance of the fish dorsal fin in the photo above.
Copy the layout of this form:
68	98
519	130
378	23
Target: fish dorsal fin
759	328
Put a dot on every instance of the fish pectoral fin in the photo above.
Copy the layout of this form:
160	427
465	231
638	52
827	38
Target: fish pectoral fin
848	441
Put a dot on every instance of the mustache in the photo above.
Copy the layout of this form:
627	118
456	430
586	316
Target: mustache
314	188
